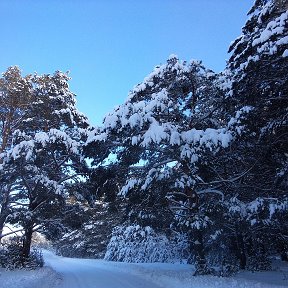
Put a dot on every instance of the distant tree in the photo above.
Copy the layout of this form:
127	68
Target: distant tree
91	231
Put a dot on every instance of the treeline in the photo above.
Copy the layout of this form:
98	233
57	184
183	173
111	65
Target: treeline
192	166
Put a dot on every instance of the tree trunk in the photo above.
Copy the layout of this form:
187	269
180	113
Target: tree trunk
2	222
6	132
241	251
27	240
4	212
195	235
284	256
197	248
284	251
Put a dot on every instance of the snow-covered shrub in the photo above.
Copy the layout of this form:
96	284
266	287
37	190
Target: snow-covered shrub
221	262
3	256
35	259
142	244
11	256
259	259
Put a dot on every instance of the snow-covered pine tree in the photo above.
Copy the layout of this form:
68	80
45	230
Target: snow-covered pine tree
45	156
258	68
15	101
162	139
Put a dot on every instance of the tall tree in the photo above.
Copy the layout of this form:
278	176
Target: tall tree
165	134
45	156
15	102
258	70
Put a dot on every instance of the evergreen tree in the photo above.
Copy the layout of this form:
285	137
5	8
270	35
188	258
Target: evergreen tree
15	102
45	156
162	139
258	68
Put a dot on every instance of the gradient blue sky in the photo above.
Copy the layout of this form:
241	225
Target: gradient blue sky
111	45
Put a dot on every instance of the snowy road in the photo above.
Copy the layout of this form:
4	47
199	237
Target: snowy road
85	273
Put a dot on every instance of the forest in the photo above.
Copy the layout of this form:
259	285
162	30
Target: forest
192	167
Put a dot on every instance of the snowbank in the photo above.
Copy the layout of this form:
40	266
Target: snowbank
40	278
180	276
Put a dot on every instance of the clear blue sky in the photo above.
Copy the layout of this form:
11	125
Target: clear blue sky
111	45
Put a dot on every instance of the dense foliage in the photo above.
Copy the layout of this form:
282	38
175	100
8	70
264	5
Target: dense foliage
41	158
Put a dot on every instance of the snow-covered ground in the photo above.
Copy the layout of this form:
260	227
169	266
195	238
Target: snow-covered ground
61	272
41	278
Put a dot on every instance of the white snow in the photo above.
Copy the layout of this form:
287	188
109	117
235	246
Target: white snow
173	56
41	278
156	133
285	53
137	244
207	137
131	183
134	140
175	138
110	120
